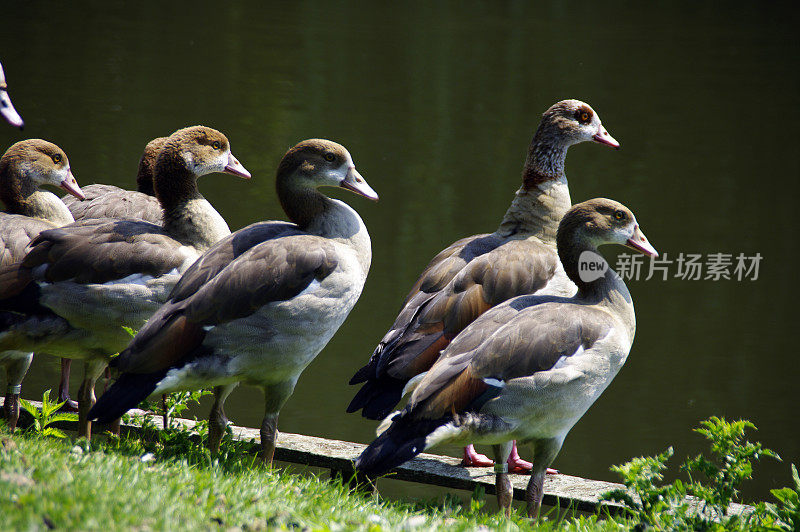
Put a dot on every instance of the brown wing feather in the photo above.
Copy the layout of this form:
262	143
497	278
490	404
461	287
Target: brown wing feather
108	201
16	233
253	267
510	269
97	251
517	339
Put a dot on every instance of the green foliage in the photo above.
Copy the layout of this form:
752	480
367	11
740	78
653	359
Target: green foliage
655	505
666	507
786	513
49	414
730	466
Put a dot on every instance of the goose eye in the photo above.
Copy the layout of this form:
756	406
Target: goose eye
329	157
619	215
57	158
216	145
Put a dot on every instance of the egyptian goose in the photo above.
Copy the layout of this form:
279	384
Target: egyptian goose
260	305
478	272
530	367
24	168
80	284
108	201
6	108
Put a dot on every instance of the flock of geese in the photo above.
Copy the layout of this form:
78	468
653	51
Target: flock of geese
501	339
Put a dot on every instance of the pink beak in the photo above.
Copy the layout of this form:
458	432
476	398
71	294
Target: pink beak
70	185
603	137
234	167
640	243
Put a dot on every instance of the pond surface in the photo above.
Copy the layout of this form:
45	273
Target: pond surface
437	104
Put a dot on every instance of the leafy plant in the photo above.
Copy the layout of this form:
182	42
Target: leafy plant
695	505
49	414
732	465
653	505
787	513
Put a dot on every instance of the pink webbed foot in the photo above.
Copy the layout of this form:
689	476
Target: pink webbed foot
473	458
517	465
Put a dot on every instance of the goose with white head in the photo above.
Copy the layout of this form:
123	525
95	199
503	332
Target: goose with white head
81	284
478	272
7	110
260	305
529	368
24	169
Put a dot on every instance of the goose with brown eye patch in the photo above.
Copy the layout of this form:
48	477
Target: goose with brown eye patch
261	304
529	368
96	275
29	210
478	272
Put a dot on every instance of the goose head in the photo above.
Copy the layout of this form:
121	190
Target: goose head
204	151
603	221
37	162
570	122
316	163
6	108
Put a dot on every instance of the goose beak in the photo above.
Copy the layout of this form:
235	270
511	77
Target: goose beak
8	111
355	183
234	167
640	243
603	137
70	185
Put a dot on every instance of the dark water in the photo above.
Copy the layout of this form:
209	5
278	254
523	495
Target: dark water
437	104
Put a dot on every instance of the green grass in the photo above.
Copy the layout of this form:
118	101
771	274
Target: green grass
47	483
169	481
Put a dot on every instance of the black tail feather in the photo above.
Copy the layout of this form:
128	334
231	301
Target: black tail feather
363	374
401	442
129	390
377	397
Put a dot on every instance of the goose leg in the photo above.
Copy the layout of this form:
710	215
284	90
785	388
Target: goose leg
503	487
473	458
545	452
217	421
275	395
16	367
63	387
269	437
93	368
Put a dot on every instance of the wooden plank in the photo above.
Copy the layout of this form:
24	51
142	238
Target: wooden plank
560	490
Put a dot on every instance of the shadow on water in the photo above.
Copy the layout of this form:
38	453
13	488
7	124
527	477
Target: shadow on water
437	103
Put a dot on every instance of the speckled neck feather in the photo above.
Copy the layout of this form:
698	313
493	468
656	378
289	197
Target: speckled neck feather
543	199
